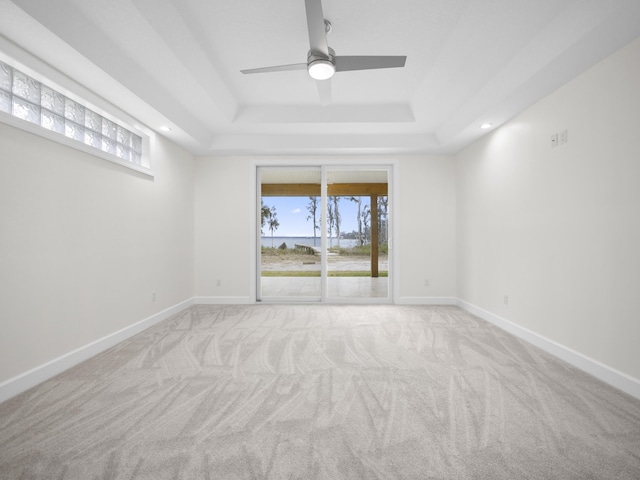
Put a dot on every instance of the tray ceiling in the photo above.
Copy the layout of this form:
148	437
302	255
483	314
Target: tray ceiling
177	63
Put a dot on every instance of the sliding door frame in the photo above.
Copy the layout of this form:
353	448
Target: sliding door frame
375	163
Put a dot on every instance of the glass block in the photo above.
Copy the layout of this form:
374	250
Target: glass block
51	121
93	139
123	152
109	129
26	111
5	77
124	136
108	145
52	100
74	111
93	120
136	158
5	101
26	87
136	143
73	130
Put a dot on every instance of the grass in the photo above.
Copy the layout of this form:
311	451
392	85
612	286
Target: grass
364	250
312	273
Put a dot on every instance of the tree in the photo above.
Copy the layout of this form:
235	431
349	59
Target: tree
312	208
264	214
383	212
366	216
272	222
358	200
336	217
330	220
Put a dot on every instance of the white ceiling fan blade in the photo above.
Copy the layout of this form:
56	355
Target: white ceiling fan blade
315	24
368	62
278	68
324	91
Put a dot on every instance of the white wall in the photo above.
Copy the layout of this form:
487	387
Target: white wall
558	229
225	211
427	235
84	242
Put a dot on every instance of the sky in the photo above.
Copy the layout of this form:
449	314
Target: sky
292	214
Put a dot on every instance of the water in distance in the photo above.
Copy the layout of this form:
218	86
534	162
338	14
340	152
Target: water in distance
291	242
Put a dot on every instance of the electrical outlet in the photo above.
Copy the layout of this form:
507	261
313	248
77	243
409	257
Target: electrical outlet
426	282
218	283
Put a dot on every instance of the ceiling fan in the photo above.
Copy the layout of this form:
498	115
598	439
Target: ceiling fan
322	62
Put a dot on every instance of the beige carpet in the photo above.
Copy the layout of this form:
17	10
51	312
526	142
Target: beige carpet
321	392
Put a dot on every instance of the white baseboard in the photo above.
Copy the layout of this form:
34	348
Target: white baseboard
13	386
223	300
613	377
426	301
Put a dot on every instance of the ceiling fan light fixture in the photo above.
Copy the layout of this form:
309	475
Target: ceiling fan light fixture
321	69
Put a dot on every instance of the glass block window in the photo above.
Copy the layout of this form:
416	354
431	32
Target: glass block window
28	99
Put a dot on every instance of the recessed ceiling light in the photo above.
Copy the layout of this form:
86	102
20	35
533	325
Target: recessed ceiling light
164	128
484	126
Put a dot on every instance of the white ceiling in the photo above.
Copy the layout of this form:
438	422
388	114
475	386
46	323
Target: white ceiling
178	62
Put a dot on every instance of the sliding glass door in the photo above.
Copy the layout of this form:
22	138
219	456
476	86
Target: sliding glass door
290	244
357	233
323	234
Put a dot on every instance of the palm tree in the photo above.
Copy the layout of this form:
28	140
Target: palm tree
272	222
264	214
